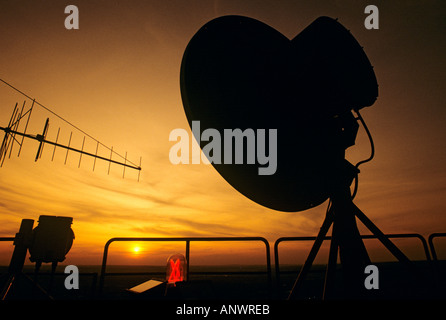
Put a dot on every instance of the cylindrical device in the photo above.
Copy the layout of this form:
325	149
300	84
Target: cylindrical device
52	239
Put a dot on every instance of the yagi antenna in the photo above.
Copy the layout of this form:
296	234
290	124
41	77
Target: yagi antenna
12	132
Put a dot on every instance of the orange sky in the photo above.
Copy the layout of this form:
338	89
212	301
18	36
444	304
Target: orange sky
117	78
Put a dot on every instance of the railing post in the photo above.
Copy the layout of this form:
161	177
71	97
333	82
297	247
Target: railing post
431	244
187	258
104	265
276	263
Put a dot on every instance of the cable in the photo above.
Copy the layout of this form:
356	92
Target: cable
372	146
66	121
372	153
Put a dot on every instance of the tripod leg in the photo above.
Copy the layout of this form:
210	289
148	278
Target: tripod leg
37	286
331	267
352	252
7	286
353	255
381	236
312	255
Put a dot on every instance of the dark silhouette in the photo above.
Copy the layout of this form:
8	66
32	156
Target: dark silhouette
49	242
238	72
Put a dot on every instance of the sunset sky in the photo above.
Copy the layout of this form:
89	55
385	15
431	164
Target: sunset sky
117	78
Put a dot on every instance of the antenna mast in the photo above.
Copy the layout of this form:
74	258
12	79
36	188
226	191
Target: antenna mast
12	132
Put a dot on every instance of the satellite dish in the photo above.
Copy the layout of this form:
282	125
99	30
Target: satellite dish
238	72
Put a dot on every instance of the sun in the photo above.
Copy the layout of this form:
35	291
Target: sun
136	249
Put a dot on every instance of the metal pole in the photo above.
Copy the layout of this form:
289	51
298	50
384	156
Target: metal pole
95	155
382	237
110	161
68	148
19	254
104	265
57	138
80	156
21	246
312	255
187	259
26	126
331	266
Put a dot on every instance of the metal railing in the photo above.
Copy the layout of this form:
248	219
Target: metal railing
428	248
431	244
312	238
188	240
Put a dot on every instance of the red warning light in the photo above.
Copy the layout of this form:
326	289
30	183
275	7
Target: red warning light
176	268
175	274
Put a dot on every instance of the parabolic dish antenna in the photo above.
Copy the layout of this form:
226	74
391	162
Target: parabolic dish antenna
239	73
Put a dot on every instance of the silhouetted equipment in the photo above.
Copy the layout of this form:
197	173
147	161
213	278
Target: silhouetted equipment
49	242
12	130
238	72
52	239
21	242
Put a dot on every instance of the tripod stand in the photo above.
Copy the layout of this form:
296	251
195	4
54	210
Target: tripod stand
15	271
346	239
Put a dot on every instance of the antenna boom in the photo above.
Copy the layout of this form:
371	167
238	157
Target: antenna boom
12	129
42	140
